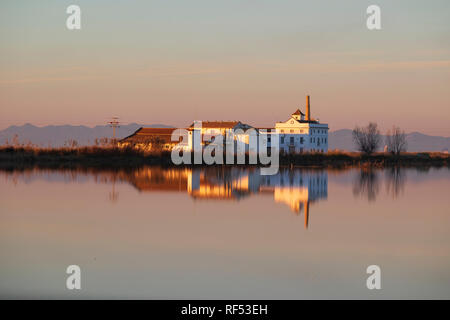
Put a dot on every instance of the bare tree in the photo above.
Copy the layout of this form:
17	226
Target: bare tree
367	139
396	140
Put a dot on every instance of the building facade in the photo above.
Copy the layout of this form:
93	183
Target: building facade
300	133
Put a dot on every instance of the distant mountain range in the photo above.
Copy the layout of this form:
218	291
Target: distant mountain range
56	136
342	140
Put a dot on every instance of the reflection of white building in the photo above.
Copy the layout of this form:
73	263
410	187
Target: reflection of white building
295	188
298	189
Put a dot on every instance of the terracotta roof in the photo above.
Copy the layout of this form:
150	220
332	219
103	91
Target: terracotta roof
144	131
298	112
217	124
146	134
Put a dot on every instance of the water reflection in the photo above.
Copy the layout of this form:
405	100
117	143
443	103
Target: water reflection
395	181
186	233
367	182
294	188
298	189
114	195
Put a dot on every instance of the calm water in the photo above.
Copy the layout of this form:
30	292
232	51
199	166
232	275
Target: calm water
160	233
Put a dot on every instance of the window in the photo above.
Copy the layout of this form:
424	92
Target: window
268	139
282	140
282	131
292	131
301	140
292	140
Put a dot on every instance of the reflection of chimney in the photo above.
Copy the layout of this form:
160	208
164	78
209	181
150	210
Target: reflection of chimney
306	214
308	114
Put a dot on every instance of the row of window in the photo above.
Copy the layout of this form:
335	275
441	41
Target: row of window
291	140
319	131
293	131
311	140
318	140
301	150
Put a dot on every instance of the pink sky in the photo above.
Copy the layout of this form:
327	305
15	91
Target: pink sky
233	61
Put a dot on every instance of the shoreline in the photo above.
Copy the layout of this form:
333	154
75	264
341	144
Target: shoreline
112	157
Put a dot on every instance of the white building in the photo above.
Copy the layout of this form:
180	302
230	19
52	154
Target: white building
301	133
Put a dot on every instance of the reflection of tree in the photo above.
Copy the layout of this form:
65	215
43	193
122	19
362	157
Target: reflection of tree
395	181
367	184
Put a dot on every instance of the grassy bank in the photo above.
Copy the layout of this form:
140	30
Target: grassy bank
356	159
113	157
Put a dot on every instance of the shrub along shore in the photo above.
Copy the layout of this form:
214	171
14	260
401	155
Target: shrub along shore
112	157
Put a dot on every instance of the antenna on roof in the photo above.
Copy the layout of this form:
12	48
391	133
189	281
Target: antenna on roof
114	123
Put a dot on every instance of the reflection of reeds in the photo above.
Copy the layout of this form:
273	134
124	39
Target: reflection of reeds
356	159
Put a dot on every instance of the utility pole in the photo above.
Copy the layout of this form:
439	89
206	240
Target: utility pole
114	123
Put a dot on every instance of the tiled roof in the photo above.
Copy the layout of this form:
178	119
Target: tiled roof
217	124
298	112
143	131
146	134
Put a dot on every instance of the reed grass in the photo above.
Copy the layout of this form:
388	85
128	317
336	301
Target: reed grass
113	156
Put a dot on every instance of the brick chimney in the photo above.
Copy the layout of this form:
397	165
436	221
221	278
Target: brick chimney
308	110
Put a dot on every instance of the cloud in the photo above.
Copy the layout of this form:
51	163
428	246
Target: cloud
244	67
